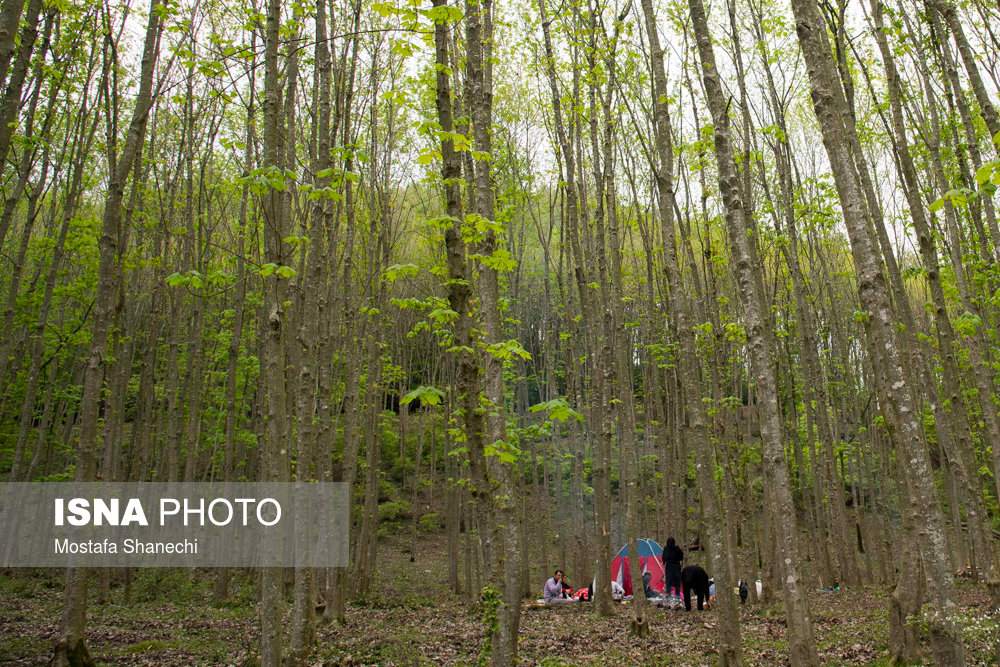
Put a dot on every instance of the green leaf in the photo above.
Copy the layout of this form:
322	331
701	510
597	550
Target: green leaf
399	271
958	196
427	395
507	349
503	450
443	315
482	225
442	221
409	303
558	409
499	261
444	14
966	323
984	173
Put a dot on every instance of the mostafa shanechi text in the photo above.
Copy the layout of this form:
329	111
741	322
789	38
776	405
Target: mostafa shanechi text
162	524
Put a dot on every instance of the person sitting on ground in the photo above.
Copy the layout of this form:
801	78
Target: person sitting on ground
647	585
673	556
554	589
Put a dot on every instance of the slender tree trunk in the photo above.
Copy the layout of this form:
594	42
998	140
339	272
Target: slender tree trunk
274	453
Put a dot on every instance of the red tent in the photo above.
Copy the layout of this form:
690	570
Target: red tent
651	560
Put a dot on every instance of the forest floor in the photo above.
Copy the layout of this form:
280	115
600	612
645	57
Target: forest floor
412	619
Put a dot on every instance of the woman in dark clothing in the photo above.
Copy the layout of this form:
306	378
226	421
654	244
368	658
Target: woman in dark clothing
673	556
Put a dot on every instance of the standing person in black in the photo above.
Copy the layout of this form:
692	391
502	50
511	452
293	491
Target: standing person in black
673	556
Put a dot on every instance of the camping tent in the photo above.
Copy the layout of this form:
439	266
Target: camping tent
651	560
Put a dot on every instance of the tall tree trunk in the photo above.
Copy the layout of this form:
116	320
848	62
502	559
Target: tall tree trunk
274	452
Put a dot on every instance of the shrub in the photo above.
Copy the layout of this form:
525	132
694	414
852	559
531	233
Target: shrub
430	522
394	510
